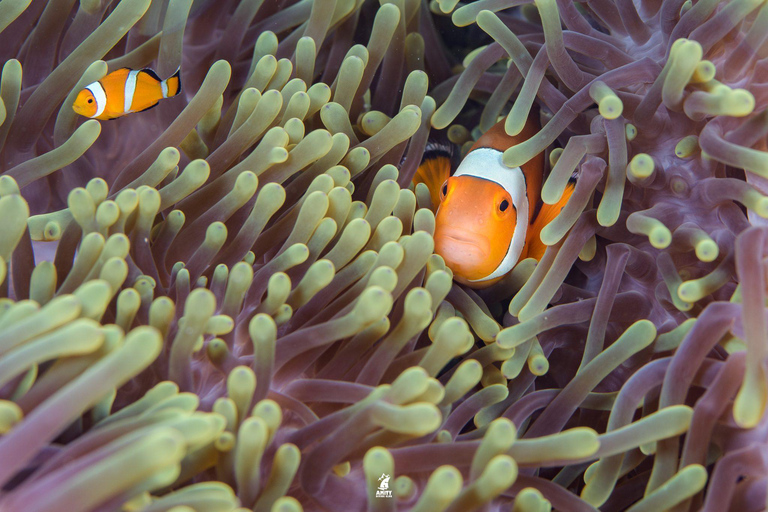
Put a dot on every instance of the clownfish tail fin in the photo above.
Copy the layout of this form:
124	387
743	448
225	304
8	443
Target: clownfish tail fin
172	84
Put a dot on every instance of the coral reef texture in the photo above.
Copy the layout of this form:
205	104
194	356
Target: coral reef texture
231	302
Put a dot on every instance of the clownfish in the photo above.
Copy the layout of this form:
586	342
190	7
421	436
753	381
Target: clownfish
124	91
489	215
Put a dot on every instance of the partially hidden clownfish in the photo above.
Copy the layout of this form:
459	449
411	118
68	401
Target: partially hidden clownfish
489	215
124	91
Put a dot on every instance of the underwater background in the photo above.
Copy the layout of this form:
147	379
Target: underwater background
231	302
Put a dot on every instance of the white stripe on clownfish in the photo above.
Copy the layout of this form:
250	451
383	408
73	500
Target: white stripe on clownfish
99	96
130	90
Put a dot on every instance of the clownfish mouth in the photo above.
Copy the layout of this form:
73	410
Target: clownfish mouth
465	253
465	240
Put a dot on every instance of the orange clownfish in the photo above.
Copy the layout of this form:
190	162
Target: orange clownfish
489	215
124	91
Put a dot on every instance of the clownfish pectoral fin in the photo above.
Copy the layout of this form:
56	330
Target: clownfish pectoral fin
547	213
172	85
149	107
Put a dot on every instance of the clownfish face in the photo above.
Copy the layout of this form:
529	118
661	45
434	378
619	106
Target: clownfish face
474	227
482	221
85	103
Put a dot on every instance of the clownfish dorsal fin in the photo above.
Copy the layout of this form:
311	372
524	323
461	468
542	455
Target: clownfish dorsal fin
118	69
149	107
534	246
151	73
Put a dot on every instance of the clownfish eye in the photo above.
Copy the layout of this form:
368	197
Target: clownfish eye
444	189
90	100
504	205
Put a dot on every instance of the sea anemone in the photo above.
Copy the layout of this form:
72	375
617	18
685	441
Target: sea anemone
231	302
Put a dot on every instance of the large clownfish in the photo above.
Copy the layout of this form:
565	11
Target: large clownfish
489	215
125	91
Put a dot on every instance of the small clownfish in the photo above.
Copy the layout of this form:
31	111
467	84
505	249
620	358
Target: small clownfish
489	215
435	168
124	91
